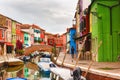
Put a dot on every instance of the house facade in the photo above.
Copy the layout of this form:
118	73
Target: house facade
28	34
82	25
42	36
72	32
36	33
9	45
2	34
64	38
14	33
106	28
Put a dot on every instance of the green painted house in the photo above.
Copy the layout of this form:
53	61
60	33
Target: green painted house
106	28
14	33
26	39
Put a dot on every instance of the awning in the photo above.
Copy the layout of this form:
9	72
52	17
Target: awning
79	38
9	44
2	41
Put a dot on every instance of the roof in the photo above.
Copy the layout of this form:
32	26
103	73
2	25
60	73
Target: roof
64	33
25	26
25	31
36	26
10	18
46	33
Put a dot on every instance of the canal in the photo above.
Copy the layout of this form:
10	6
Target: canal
29	70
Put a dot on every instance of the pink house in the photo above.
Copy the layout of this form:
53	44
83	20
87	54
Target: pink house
64	38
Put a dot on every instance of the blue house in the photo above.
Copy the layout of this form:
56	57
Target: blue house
72	33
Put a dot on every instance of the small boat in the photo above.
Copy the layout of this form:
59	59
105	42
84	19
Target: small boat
17	78
45	79
14	68
14	62
45	64
62	74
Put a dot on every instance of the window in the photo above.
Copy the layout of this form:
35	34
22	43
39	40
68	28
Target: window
9	49
3	33
24	38
27	38
7	23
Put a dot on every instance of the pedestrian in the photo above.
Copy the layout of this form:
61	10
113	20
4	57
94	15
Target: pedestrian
72	52
77	72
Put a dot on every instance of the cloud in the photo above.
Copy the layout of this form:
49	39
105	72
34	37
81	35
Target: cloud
52	15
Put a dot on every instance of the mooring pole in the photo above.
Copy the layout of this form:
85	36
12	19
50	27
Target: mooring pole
80	52
64	58
96	52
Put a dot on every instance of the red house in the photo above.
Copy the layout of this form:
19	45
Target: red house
42	36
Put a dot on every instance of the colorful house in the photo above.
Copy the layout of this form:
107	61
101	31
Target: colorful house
106	28
26	39
28	33
64	38
18	31
9	45
49	38
36	33
72	33
82	25
2	34
14	33
42	36
58	42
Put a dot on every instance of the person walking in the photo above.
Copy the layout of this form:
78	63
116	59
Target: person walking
72	52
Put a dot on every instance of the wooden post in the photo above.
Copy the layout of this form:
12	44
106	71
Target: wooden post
96	51
79	52
64	58
57	57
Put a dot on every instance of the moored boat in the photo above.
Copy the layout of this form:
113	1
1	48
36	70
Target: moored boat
62	74
14	62
45	64
17	78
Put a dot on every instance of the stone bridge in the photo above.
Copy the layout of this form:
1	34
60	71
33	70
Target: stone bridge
33	48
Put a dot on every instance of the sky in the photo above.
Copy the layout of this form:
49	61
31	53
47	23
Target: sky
54	16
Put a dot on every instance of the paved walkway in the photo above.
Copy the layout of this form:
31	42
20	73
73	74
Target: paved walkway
110	69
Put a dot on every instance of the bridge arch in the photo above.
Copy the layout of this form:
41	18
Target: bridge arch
33	48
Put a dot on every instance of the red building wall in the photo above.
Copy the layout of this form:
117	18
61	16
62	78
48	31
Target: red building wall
64	43
59	42
18	32
86	29
2	32
51	41
42	36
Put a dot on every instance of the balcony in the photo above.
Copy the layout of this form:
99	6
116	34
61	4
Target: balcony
80	35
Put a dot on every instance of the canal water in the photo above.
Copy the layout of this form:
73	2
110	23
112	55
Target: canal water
29	71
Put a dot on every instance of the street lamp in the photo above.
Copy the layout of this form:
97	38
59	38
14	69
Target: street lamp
74	21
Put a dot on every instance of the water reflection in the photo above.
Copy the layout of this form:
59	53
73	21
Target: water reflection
14	68
29	70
